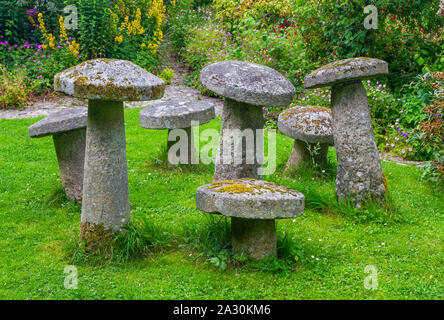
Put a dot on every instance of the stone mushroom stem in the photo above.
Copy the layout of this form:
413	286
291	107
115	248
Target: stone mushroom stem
301	154
360	172
106	207
70	150
191	152
253	237
239	116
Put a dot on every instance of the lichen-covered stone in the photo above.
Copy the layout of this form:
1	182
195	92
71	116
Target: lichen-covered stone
109	79
353	69
250	199
250	83
360	172
253	206
307	123
176	114
62	121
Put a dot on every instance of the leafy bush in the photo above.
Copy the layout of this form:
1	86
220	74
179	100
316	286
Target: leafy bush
166	75
13	89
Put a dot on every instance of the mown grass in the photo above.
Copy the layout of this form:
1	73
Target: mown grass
326	250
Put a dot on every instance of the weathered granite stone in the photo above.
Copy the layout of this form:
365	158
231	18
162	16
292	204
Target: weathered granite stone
70	150
240	152
59	122
247	87
360	174
249	83
106	83
68	128
345	71
109	79
311	127
177	114
253	205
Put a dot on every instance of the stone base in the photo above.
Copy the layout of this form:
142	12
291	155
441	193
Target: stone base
300	154
70	149
360	174
253	237
187	155
105	187
240	139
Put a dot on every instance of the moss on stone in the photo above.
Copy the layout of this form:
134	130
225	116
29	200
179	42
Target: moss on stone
96	237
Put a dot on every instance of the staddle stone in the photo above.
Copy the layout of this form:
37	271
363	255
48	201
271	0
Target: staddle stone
311	127
253	206
68	129
360	174
106	83
176	114
247	87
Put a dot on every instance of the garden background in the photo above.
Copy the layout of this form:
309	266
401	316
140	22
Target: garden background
183	248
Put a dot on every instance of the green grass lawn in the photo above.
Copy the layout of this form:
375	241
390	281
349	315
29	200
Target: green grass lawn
38	230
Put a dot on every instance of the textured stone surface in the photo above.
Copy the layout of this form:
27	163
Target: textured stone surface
61	121
105	187
307	123
311	127
253	206
359	167
68	128
70	149
255	238
250	199
109	79
346	70
249	83
239	118
176	114
301	154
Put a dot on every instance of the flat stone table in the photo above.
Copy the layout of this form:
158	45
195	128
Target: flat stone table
311	128
360	174
106	83
177	114
247	87
253	206
68	130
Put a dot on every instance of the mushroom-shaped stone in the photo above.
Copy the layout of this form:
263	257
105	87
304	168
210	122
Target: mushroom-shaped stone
106	83
176	114
247	87
68	130
253	206
360	172
310	127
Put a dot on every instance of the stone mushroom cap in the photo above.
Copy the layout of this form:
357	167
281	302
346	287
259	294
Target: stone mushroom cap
353	69
59	122
250	199
109	79
176	114
249	83
307	123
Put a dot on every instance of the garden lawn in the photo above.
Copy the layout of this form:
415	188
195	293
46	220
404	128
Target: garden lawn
39	229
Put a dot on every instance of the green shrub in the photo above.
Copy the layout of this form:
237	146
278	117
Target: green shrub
166	75
14	89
